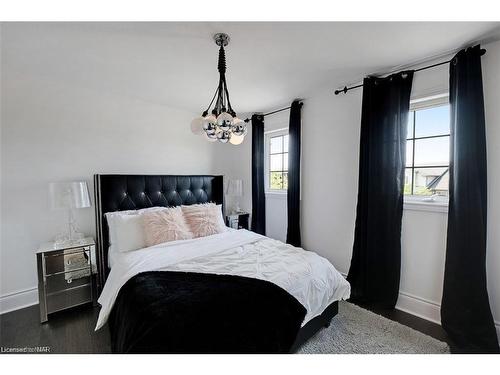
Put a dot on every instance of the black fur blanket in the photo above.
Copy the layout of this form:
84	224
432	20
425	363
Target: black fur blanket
183	312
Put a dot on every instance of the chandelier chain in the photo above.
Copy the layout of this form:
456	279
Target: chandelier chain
222	60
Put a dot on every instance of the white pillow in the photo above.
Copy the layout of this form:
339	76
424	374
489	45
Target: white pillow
128	233
110	219
119	222
222	222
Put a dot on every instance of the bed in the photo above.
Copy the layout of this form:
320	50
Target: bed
232	292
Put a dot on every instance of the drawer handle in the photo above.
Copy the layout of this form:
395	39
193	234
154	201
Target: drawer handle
68	262
69	281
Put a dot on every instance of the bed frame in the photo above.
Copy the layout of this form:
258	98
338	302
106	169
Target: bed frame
118	192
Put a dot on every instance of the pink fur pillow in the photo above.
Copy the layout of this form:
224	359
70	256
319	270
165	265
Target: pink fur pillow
164	226
204	219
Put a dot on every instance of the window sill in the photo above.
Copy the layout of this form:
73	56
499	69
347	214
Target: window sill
421	205
276	193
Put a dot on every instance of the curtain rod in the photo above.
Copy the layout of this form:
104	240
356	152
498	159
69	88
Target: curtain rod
345	89
270	113
273	112
278	110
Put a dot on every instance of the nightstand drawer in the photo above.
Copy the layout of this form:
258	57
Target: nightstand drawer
63	281
68	298
67	260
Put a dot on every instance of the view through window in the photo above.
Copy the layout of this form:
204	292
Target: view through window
278	162
427	151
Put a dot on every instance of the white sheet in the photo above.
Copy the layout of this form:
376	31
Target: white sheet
310	278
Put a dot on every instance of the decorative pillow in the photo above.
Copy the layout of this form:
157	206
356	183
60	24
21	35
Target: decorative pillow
204	219
164	226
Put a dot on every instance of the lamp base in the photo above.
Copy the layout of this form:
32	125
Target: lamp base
66	240
71	236
236	208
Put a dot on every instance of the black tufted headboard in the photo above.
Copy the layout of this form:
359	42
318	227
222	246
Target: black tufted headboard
115	192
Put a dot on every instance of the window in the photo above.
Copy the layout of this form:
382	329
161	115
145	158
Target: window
428	148
276	156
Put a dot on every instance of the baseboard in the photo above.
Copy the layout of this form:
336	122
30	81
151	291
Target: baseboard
425	309
420	307
18	300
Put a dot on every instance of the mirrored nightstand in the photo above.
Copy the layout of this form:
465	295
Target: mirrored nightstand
65	275
240	220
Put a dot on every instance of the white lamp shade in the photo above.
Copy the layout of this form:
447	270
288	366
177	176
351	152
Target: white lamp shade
69	195
235	188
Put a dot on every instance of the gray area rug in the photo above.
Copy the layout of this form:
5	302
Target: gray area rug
358	331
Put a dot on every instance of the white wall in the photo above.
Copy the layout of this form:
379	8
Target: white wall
491	89
423	240
53	132
330	147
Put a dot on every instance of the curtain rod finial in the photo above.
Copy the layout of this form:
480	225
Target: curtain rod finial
344	90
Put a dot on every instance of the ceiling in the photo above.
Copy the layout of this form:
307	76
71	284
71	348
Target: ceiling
269	64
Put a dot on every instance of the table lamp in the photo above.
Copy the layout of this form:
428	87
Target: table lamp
69	196
235	189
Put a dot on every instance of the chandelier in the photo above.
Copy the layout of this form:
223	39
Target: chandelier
221	124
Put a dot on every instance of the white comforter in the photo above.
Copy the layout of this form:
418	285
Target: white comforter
311	279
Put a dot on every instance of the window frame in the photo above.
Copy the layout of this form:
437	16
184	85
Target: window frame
267	159
422	202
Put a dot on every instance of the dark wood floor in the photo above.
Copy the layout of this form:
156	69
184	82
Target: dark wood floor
72	331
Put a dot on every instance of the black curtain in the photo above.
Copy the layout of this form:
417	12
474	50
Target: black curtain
258	197
293	196
376	259
465	308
